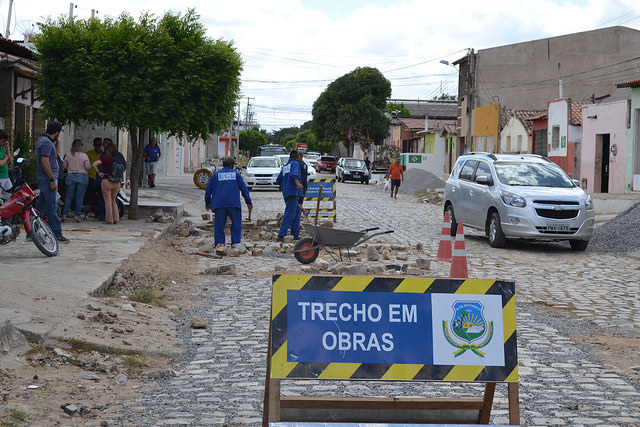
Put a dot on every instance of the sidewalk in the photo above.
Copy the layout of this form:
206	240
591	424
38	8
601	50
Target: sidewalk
37	293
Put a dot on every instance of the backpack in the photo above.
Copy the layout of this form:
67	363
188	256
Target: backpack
116	173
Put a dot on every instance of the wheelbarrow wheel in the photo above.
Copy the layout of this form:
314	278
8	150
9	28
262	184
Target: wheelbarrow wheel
304	251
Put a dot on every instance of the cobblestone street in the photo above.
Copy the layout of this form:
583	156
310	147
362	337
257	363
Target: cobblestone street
221	379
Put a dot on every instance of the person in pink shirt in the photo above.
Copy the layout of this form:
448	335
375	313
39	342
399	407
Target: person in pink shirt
77	165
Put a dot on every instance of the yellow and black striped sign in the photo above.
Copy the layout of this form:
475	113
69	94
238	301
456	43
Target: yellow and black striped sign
324	213
285	366
328	189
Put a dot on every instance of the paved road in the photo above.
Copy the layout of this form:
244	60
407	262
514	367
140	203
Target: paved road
221	378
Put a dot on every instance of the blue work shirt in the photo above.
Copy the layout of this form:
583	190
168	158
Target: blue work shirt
224	188
286	179
45	147
152	152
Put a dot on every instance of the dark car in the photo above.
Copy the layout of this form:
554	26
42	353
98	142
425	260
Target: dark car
349	169
326	164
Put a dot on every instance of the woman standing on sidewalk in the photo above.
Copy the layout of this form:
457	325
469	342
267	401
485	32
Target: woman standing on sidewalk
77	165
109	188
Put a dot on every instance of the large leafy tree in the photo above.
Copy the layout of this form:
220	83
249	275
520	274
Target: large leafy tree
162	73
251	139
352	107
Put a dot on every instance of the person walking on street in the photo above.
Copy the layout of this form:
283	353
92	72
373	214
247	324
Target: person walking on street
396	174
110	188
304	173
291	187
152	154
77	165
5	158
47	177
222	196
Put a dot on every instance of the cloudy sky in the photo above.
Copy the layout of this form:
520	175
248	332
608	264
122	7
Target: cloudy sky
292	49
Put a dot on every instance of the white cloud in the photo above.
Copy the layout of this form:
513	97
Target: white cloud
292	52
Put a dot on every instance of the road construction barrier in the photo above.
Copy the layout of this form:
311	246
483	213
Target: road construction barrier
390	329
321	190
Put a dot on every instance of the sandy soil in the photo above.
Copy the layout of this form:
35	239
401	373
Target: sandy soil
90	377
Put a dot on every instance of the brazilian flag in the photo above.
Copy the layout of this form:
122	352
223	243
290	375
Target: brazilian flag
415	158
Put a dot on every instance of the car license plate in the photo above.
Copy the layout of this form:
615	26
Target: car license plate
557	227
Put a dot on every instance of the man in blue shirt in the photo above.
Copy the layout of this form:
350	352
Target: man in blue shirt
223	195
291	187
48	169
151	156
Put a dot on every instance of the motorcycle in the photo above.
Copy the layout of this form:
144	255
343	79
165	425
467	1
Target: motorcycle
21	208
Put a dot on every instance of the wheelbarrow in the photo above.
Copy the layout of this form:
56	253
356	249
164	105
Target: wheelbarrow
307	249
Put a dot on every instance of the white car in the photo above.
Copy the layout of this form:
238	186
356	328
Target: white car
262	172
284	159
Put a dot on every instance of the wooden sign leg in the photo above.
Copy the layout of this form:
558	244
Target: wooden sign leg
514	404
485	412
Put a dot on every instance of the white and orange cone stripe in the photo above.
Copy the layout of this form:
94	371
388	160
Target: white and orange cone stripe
459	260
444	247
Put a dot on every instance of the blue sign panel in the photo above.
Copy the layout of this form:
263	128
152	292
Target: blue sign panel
359	327
313	188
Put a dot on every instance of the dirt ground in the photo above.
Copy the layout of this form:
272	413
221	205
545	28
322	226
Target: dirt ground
100	375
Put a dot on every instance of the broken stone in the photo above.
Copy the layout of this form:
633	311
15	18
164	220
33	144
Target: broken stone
423	263
419	246
233	252
257	252
337	268
375	270
184	233
229	269
240	247
279	268
60	352
414	271
128	307
386	254
198	323
81	316
399	248
70	409
287	239
89	376
372	254
402	257
206	217
360	270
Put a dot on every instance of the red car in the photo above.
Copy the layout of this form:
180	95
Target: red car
326	164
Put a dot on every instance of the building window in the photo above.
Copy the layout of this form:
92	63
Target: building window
541	142
519	147
555	137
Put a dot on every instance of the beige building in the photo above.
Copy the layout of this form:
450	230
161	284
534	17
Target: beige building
581	66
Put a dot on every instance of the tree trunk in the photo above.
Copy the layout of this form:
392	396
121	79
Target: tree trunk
137	149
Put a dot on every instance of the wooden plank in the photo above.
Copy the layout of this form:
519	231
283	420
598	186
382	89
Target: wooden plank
514	404
485	412
300	402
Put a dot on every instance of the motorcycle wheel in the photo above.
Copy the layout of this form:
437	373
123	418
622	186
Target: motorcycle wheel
201	178
43	237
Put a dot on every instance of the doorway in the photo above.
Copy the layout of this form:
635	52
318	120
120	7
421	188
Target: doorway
601	172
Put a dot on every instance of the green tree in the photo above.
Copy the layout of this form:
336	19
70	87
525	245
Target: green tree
277	136
446	97
397	109
162	73
250	140
352	109
288	141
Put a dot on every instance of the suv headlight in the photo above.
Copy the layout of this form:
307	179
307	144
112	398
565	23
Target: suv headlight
511	199
588	203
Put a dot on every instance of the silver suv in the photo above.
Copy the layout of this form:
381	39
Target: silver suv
518	196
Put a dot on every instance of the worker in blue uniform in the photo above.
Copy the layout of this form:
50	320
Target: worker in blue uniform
291	187
223	196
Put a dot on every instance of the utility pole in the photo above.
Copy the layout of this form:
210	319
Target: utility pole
71	6
247	117
6	34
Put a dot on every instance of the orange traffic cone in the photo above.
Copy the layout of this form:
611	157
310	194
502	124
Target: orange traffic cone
459	261
444	247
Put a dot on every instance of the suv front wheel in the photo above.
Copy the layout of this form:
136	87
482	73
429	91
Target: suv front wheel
494	232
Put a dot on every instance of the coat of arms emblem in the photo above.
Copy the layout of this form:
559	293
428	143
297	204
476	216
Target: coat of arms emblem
469	327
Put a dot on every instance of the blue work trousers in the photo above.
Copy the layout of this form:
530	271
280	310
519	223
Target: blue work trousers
76	187
48	204
220	221
291	218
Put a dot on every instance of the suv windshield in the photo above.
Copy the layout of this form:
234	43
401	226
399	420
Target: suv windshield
354	164
532	175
